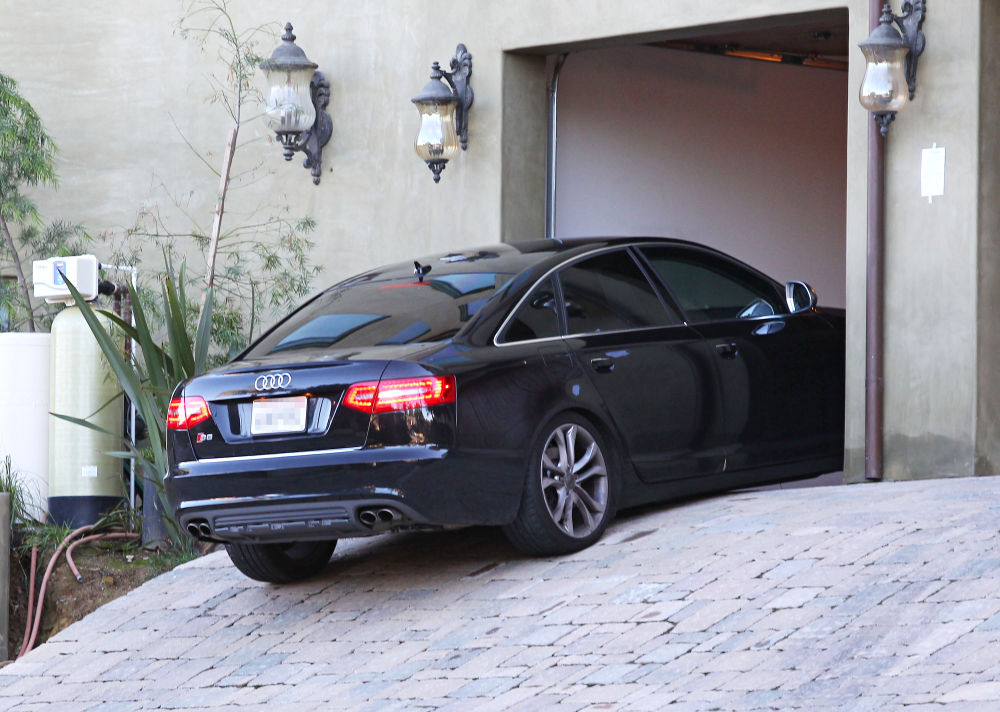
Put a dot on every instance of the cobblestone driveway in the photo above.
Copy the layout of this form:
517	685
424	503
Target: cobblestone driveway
869	597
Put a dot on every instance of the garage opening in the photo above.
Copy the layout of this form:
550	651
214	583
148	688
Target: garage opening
730	136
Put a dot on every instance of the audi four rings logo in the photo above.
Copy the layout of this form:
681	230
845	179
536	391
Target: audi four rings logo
271	381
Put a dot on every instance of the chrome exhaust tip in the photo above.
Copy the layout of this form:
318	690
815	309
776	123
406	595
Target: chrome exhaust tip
199	529
380	518
387	515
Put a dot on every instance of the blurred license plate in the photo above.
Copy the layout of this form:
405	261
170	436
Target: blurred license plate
278	415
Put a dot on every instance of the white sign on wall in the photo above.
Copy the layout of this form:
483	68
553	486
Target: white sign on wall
932	172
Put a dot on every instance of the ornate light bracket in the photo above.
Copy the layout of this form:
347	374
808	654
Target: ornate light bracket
311	142
910	24
458	80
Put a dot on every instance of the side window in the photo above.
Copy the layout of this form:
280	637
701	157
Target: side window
610	293
710	289
536	318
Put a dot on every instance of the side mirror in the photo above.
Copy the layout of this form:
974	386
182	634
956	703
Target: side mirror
799	296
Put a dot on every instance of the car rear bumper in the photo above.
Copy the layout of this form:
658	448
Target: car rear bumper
340	493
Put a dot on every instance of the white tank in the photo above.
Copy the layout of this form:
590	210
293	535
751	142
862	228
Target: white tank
84	482
24	413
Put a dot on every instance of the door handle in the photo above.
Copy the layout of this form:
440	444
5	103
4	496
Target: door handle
728	351
602	363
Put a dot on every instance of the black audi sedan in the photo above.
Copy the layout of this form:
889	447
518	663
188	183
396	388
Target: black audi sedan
539	386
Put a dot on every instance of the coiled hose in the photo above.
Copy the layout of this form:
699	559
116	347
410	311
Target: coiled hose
34	613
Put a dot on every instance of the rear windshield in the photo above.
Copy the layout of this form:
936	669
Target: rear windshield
390	312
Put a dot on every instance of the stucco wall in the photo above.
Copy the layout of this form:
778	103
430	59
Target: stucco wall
749	157
116	86
932	261
112	82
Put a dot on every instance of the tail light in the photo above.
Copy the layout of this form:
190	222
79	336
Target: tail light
184	413
400	394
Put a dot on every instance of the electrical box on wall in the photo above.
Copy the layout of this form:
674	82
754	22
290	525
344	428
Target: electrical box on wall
49	277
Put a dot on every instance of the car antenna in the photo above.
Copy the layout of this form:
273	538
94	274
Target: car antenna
420	270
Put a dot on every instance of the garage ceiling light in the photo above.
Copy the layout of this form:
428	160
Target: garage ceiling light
811	59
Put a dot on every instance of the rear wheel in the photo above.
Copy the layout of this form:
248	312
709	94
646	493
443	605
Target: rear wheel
568	497
281	563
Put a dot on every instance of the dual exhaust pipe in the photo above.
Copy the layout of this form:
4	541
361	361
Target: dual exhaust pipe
379	517
199	529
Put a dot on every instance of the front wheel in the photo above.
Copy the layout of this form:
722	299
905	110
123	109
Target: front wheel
569	494
281	563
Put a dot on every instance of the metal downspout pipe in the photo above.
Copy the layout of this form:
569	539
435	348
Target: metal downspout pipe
874	293
550	162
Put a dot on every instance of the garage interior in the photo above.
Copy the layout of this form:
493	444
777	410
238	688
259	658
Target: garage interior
730	135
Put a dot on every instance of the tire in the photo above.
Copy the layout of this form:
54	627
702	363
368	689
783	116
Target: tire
281	563
569	492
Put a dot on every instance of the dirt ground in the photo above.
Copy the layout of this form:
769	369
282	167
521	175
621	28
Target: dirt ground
107	574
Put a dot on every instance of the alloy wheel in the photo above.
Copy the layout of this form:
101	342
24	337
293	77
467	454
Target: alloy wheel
574	480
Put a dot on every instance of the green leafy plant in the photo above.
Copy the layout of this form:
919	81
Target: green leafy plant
259	263
21	499
27	158
45	535
265	271
151	376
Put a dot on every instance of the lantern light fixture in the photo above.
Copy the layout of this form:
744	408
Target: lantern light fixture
297	97
891	56
444	112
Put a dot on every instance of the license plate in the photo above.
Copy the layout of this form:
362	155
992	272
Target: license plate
278	415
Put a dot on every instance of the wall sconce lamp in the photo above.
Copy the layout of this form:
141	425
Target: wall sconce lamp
297	97
444	112
891	56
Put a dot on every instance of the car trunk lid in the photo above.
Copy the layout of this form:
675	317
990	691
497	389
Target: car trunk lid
267	408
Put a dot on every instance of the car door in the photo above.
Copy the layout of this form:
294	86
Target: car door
779	372
653	373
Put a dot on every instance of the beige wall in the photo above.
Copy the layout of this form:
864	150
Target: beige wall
108	80
932	262
112	83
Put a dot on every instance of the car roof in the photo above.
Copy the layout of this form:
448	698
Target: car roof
507	257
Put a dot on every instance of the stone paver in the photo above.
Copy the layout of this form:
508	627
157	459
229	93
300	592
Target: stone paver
869	597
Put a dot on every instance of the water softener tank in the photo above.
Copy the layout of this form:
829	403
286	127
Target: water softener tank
84	482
